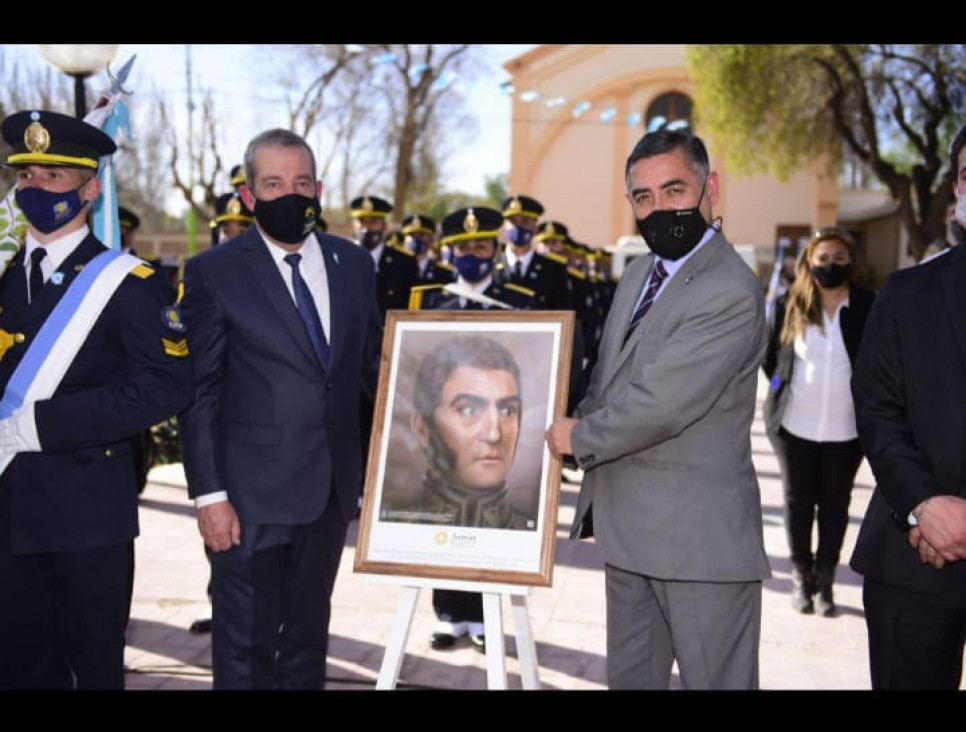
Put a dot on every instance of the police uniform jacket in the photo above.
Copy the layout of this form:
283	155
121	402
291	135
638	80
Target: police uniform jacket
437	271
547	277
396	273
133	371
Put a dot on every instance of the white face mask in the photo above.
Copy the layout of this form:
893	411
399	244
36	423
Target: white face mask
960	214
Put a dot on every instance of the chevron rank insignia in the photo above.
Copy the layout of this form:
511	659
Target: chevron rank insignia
178	349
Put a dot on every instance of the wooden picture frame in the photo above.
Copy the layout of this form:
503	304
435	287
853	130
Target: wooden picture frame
419	518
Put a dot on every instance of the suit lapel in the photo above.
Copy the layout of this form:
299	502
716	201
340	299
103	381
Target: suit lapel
266	273
613	350
337	298
954	295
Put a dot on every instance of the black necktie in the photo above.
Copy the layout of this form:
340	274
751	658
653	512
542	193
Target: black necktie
657	277
518	271
306	308
36	273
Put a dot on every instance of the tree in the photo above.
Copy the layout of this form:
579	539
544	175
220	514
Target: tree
894	108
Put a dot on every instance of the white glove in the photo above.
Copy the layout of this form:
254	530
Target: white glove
18	433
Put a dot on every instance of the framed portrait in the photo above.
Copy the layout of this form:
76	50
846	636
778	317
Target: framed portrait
460	484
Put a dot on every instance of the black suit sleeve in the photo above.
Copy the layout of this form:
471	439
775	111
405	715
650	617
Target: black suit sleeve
882	408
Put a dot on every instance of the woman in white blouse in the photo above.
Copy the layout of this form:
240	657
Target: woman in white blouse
815	331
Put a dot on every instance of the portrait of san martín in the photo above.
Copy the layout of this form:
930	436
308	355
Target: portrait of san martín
465	442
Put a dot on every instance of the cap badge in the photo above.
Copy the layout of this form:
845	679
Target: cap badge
36	138
514	207
470	223
234	207
550	230
366	204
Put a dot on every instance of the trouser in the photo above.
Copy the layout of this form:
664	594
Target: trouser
816	475
916	639
271	603
712	630
456	606
63	617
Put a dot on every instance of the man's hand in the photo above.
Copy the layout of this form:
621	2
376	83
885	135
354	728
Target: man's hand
219	526
558	436
942	527
927	552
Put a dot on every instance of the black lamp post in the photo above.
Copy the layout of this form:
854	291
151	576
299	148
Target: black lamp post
79	60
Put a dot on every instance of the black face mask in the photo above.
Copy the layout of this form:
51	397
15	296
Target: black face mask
672	233
370	239
832	275
288	219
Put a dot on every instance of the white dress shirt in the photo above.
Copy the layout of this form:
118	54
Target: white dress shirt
820	406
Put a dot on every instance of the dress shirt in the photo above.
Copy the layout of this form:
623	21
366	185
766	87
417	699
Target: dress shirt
511	260
672	266
820	406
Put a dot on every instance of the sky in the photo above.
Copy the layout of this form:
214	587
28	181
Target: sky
242	82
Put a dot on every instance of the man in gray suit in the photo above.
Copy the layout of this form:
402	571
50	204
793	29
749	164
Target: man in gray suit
663	437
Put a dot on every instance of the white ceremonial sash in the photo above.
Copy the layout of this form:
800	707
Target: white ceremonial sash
59	339
454	289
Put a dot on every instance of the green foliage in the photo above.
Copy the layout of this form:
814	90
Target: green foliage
766	106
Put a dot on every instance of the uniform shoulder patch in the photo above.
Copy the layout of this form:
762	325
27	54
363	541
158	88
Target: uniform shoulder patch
578	273
178	349
143	271
171	317
445	265
402	250
554	257
417	292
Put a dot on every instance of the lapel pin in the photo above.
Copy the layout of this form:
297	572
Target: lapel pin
57	278
335	256
687	280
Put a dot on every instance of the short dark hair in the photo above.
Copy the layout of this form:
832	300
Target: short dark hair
664	141
476	351
956	147
276	137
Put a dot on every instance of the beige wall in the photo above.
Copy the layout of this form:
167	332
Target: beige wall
574	166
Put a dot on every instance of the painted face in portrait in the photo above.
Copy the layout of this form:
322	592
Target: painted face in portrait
473	438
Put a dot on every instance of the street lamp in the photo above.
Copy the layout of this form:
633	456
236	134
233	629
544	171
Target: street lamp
79	60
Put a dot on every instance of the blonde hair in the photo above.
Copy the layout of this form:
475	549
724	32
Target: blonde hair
804	304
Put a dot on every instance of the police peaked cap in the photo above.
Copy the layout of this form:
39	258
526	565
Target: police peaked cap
365	206
418	224
127	218
237	175
230	207
468	224
50	138
552	230
522	206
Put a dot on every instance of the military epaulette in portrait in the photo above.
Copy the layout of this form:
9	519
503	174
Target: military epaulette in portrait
178	349
520	288
143	271
416	294
554	257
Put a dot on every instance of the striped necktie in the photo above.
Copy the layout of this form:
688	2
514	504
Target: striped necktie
654	284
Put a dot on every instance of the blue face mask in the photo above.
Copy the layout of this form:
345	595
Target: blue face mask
472	268
47	211
416	244
518	236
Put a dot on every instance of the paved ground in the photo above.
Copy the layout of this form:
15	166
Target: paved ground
797	652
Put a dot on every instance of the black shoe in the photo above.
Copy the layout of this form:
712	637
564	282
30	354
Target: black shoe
200	626
441	641
479	642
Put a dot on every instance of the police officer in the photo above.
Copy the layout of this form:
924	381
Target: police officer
419	232
396	268
114	361
232	216
472	235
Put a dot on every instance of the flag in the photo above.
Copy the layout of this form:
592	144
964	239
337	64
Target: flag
111	115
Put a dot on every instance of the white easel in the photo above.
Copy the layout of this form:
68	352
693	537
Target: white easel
493	624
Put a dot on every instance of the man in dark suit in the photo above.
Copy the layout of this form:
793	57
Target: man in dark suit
92	351
663	435
287	331
909	394
396	268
